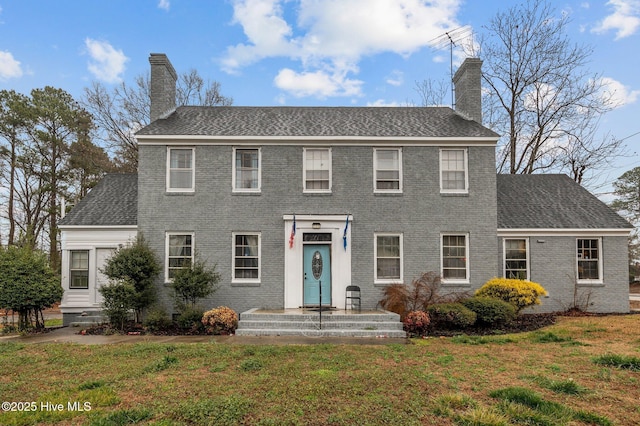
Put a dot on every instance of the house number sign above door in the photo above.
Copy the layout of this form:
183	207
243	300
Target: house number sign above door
316	265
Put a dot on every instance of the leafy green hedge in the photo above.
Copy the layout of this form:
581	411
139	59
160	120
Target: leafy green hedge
451	315
490	311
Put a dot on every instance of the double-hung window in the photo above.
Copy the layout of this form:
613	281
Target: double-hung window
79	269
516	258
179	252
388	258
387	170
589	258
180	170
246	170
455	254
317	169
454	171
246	257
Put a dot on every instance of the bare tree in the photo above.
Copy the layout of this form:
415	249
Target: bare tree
431	92
119	113
540	94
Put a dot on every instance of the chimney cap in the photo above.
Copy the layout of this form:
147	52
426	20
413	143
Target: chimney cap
162	59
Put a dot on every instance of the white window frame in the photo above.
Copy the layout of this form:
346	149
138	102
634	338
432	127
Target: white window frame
375	170
72	269
504	256
234	172
168	236
466	172
375	258
442	268
304	170
193	170
233	258
599	280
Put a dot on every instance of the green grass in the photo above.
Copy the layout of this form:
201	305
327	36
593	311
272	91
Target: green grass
619	361
444	381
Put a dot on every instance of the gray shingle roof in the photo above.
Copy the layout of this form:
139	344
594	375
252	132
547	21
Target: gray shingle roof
551	202
317	121
113	201
524	202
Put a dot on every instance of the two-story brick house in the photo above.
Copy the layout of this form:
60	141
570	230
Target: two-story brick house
377	195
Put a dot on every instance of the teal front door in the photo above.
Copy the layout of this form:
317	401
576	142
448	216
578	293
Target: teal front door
317	272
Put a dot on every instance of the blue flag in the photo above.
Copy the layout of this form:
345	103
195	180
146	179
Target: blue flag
344	234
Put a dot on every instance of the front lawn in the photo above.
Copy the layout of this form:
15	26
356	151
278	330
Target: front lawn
561	374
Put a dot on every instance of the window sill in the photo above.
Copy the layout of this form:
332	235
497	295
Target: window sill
249	193
384	283
245	283
320	193
454	194
78	288
388	194
590	283
175	193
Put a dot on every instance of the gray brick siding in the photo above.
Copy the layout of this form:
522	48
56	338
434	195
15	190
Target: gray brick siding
421	213
553	265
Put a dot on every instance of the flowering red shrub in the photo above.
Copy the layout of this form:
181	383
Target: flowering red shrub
416	323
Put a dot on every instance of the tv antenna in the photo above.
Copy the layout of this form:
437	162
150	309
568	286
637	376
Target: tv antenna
449	39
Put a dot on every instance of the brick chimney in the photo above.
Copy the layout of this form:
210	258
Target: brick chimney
468	88
163	86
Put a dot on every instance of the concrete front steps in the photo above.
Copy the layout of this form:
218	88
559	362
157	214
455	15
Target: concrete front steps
88	319
305	322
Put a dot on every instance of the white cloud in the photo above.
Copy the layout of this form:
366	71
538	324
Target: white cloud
107	63
620	94
318	83
383	103
329	37
396	78
164	4
9	67
625	19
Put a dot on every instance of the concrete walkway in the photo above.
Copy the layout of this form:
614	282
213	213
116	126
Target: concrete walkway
70	335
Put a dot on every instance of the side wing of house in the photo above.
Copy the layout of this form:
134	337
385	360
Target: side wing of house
554	232
102	222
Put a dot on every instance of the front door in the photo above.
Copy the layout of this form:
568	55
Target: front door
317	274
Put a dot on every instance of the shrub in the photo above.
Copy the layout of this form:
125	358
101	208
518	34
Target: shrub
194	283
490	311
519	293
402	299
27	285
157	319
416	323
118	302
189	319
221	320
451	315
137	264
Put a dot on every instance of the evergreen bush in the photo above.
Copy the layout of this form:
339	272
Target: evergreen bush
118	302
490	311
451	315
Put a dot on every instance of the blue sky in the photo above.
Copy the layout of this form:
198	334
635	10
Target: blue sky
294	52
